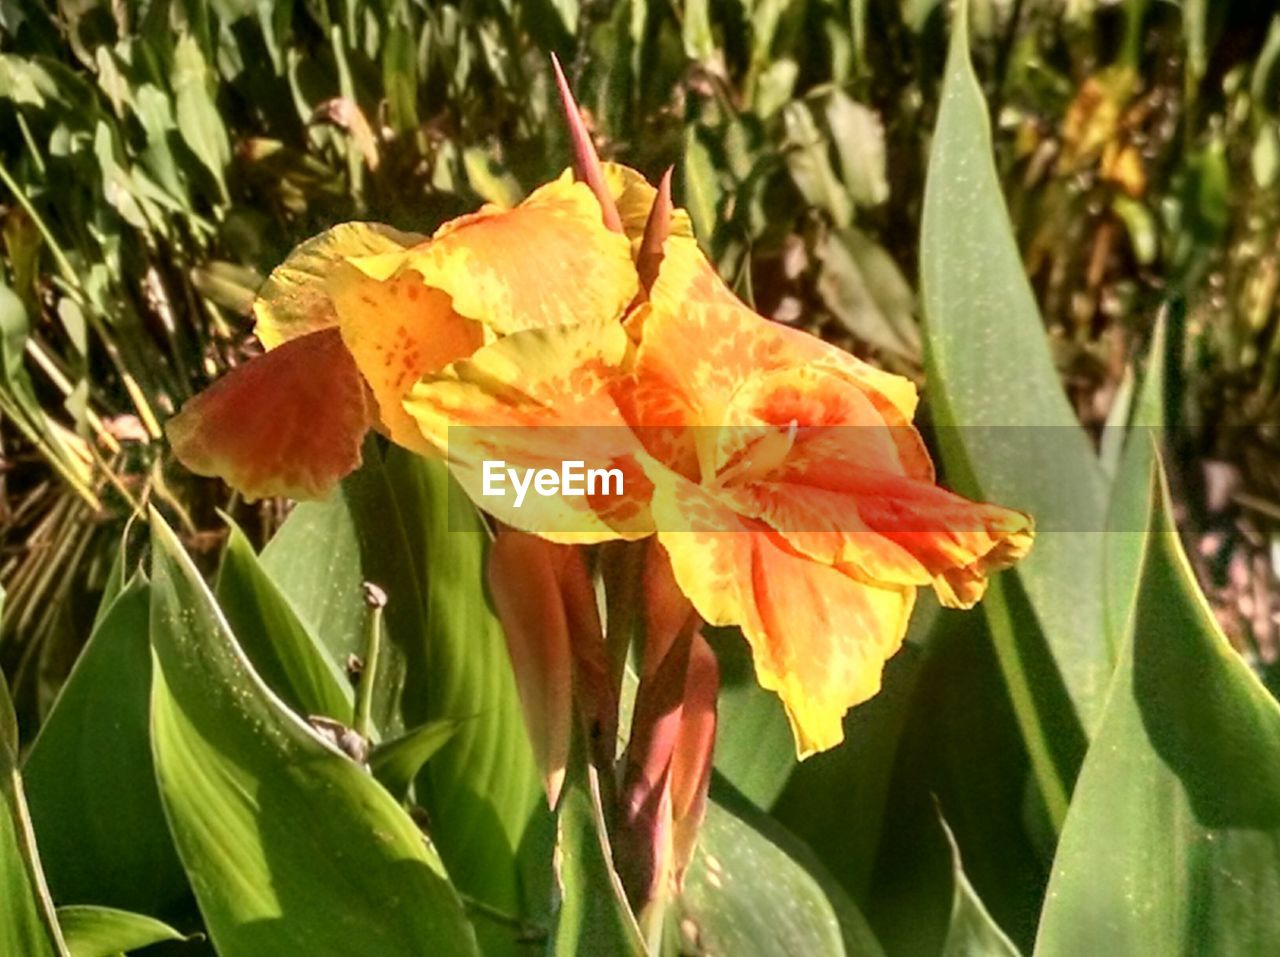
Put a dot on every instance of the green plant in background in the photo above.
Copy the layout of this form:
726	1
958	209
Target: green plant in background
1029	779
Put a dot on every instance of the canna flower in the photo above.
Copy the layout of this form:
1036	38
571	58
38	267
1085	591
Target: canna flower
354	317
781	475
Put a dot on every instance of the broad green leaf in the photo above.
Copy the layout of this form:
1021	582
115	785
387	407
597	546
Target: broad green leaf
750	891
396	763
90	777
592	917
1172	844
961	755
425	545
282	650
1008	433
27	924
290	846
104	932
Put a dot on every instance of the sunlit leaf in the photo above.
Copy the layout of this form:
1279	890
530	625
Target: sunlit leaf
283	651
104	932
396	763
748	892
1009	435
290	846
90	777
1172	844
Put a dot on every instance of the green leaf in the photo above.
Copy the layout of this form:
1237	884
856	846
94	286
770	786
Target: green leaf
755	750
1131	490
1172	845
836	800
27	924
104	932
973	932
400	78
314	561
592	917
290	846
961	754
863	287
423	542
397	762
282	650
858	136
701	188
1009	435
809	161
695	30
199	120
751	889
90	776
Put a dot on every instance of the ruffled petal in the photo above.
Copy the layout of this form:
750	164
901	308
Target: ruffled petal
548	262
819	636
294	300
289	422
689	289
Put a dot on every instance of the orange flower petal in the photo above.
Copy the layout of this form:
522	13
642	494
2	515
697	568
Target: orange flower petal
819	636
697	303
289	422
294	300
548	262
533	400
398	330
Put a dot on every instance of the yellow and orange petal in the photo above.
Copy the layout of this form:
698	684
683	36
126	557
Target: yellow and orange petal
398	330
689	290
294	300
547	262
819	636
289	422
533	400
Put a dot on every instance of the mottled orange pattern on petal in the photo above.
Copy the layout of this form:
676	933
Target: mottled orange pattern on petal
289	422
689	287
547	262
398	330
819	636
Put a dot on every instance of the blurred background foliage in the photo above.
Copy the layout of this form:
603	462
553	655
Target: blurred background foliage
158	158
